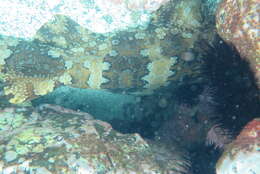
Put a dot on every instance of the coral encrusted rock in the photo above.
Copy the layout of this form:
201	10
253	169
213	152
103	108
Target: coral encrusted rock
237	22
242	155
50	139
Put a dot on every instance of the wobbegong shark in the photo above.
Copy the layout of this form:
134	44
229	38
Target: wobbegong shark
63	52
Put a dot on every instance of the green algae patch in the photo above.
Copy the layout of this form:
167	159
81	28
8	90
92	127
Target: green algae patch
22	149
29	136
9	120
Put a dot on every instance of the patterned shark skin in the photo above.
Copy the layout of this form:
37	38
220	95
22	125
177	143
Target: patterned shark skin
62	52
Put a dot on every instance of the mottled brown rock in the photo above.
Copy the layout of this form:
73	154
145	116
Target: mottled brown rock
54	140
238	23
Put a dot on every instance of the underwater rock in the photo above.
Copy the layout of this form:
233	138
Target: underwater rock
51	139
149	5
98	16
242	155
237	22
